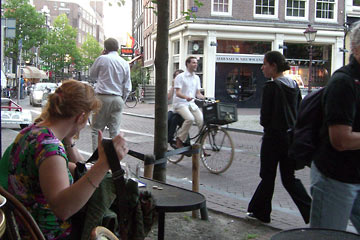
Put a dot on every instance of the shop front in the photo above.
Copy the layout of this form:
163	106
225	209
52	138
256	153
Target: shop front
239	78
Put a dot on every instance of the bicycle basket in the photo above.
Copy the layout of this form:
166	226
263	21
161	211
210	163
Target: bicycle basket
220	113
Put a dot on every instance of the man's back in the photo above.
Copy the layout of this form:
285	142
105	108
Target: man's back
112	73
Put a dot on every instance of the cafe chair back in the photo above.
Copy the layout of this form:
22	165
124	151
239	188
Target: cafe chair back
100	233
15	211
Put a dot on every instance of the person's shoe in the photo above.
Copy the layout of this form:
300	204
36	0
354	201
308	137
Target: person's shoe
179	143
251	215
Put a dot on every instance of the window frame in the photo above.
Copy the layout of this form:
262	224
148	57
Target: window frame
326	20
305	18
264	16
222	14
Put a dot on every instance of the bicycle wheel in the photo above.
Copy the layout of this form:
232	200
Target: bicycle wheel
176	158
131	101
217	150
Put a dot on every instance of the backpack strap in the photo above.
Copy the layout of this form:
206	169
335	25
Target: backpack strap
120	189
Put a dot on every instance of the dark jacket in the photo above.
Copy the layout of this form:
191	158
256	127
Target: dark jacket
341	104
278	114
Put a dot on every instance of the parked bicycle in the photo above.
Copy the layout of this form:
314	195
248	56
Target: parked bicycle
217	148
131	100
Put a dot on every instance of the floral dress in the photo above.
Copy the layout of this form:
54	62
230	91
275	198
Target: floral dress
31	147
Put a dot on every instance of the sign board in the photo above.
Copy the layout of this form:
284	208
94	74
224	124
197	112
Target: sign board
240	58
194	9
126	52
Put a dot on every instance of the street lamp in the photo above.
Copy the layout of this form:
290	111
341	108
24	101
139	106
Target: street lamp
310	35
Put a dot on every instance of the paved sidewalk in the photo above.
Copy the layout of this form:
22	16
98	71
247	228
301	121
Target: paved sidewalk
284	215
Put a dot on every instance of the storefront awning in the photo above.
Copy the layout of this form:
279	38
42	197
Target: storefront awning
44	75
31	72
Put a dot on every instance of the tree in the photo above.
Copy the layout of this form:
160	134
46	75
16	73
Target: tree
29	28
90	50
161	66
60	50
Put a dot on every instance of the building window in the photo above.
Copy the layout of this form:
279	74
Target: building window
265	7
196	47
221	7
176	47
325	9
296	8
356	3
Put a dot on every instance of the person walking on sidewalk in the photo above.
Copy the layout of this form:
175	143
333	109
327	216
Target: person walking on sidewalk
280	101
335	172
113	85
187	87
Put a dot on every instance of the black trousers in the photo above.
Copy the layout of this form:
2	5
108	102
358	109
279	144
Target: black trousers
174	120
274	149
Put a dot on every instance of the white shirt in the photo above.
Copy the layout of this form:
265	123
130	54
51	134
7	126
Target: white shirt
112	73
188	83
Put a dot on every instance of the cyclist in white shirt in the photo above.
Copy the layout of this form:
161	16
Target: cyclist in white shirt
187	87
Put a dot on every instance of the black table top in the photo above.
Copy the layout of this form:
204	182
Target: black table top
315	234
172	198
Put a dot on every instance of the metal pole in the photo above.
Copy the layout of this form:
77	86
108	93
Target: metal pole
2	47
310	68
19	79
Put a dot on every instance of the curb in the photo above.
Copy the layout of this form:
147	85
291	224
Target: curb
232	129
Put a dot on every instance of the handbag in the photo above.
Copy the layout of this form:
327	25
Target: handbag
117	204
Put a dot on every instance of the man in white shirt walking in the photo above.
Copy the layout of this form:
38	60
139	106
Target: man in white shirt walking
113	85
187	87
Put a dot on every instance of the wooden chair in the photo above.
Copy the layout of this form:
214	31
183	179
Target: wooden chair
15	210
102	233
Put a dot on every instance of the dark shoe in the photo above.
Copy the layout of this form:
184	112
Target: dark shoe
262	219
179	143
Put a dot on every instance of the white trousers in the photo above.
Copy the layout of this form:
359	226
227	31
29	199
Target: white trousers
189	116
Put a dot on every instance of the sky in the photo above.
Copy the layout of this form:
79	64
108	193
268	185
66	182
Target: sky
117	21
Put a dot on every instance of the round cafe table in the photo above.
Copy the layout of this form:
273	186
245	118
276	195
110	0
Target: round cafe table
315	234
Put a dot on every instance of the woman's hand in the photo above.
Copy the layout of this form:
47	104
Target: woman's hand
120	147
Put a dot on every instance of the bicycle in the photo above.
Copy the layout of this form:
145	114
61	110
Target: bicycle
131	100
217	148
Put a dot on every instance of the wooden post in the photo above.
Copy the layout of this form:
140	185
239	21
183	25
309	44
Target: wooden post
195	174
148	170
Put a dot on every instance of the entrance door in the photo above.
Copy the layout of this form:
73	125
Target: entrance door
239	83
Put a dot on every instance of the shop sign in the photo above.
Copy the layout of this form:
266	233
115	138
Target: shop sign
240	58
126	52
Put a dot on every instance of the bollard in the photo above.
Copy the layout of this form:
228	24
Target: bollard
148	170
195	174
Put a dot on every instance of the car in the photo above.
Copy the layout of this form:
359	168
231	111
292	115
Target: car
40	91
13	113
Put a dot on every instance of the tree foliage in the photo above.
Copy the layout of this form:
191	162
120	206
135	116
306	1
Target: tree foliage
90	50
139	76
29	28
60	49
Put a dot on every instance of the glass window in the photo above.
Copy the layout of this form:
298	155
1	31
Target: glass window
265	7
295	8
356	3
325	9
221	7
240	83
242	47
196	47
176	47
